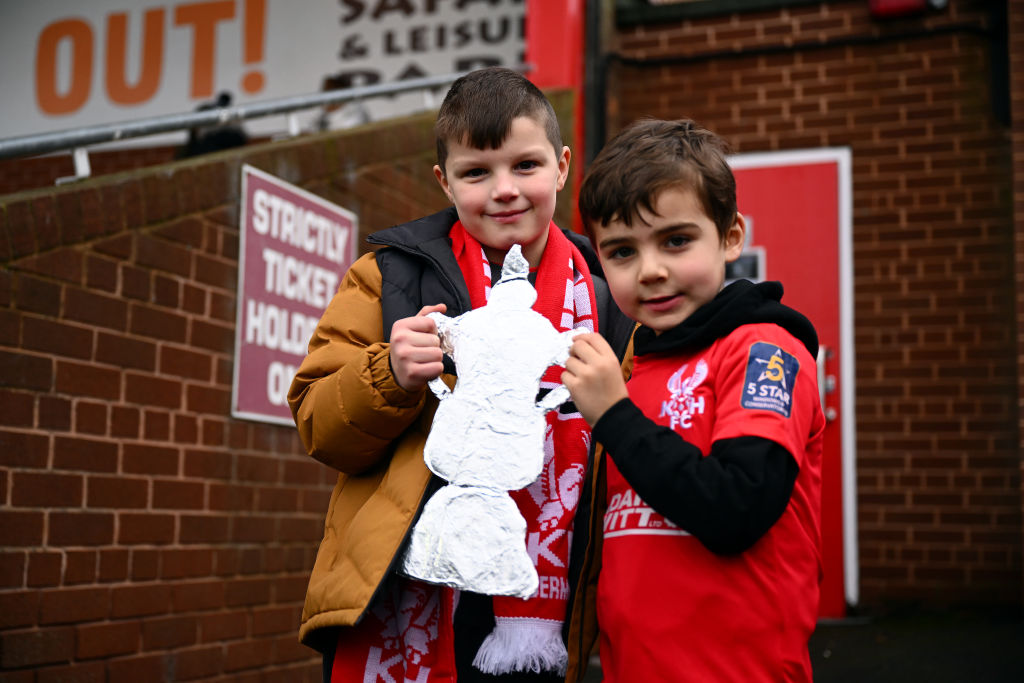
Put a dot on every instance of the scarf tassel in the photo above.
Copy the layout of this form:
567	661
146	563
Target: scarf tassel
523	644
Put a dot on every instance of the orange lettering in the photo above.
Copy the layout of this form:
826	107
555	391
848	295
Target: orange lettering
203	17
80	34
118	88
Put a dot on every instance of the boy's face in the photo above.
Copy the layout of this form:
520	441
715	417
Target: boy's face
506	196
669	263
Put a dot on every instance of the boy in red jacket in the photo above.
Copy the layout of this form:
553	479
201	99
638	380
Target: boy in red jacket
710	562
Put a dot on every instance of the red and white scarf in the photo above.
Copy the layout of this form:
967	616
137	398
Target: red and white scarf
408	635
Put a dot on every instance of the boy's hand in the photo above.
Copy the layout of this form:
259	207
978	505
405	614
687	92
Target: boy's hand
593	377
416	356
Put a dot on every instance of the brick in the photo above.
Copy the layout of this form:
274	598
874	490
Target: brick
185	432
160	199
91	455
147	667
106	640
91	418
119	247
69	211
145	564
207	400
219	338
187	231
240	592
200	662
207	464
80	567
74	529
125	351
140	600
148	459
97	309
12	569
193	299
23	449
153	391
44	569
46	489
178	495
94	220
16	408
33	648
132	202
47	336
145	528
87	380
25	371
249	654
158	323
124	422
183	362
18	609
198	596
136	283
273	620
54	413
213	432
20	529
216	272
10	327
20	233
169	632
44	222
117	492
101	274
203	529
258	469
156	425
113	565
161	255
178	564
223	626
73	605
222	307
166	291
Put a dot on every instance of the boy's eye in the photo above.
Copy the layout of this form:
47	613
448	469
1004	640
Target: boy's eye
527	165
677	241
620	253
474	173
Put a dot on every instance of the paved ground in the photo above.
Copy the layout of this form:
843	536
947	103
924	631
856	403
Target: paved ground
914	647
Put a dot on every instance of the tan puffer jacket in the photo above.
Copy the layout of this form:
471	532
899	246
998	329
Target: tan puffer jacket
358	410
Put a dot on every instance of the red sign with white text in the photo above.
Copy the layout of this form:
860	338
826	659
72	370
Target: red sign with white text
293	251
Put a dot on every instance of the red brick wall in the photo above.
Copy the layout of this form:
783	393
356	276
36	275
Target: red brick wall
937	389
145	534
1016	30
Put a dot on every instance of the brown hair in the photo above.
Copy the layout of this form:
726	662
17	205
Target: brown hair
652	155
480	107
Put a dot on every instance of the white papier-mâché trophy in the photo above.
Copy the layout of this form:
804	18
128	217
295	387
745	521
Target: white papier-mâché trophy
487	439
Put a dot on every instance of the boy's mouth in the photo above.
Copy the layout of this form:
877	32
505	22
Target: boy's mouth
661	303
506	216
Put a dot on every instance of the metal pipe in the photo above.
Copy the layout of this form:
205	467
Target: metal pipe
41	143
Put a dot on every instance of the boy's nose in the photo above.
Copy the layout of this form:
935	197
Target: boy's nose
651	269
505	188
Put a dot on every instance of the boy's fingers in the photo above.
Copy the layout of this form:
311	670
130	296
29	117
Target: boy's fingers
436	308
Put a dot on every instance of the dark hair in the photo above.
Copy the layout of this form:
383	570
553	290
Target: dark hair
652	155
480	107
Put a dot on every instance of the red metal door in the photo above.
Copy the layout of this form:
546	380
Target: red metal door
797	204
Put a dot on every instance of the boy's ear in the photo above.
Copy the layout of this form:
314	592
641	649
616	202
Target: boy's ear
442	180
735	237
563	167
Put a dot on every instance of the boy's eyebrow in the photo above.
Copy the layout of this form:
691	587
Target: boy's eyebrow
613	241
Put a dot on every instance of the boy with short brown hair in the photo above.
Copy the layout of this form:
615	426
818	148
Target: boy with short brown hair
361	405
710	552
